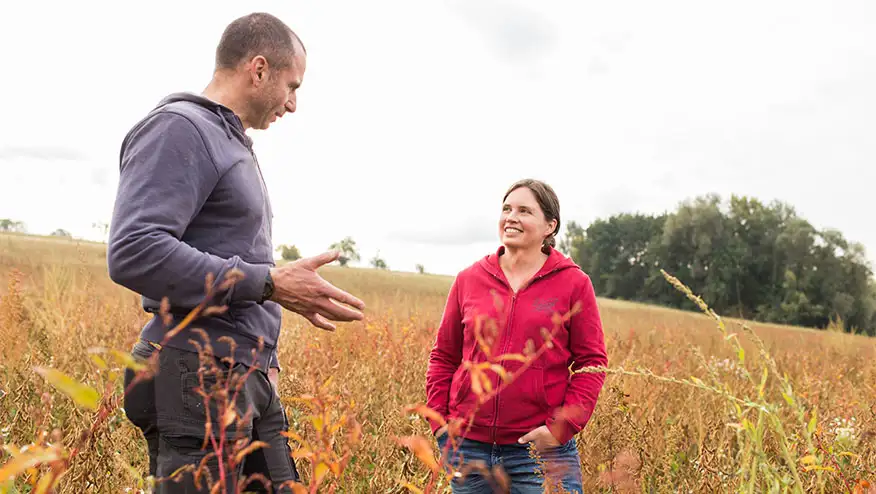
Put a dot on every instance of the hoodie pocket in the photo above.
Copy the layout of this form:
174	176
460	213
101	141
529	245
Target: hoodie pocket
523	404
461	388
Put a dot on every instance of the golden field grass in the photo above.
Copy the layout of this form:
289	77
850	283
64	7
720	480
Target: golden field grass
667	419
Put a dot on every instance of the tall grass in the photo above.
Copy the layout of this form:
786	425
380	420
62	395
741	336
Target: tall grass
690	404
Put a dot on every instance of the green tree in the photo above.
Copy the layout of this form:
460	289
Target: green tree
421	269
698	246
759	274
347	248
615	252
378	262
289	252
571	240
8	225
60	232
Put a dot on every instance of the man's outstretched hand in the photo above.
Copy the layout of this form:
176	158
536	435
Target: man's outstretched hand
298	288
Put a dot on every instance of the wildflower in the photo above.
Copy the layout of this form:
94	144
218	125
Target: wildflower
726	366
844	430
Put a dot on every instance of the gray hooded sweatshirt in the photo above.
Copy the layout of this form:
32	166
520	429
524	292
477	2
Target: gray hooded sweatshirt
191	201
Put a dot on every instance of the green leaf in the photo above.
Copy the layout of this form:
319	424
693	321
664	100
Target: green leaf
83	394
124	359
127	360
741	355
808	460
811	426
788	398
99	362
763	382
320	471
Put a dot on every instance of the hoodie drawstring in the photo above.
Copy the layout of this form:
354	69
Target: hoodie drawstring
224	121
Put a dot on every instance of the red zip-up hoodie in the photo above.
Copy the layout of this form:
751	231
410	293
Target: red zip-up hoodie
537	394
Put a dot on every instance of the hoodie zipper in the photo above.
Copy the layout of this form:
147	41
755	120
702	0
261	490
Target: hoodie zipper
249	146
265	198
507	337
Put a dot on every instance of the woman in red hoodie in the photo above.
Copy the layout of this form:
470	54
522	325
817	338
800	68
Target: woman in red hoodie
522	287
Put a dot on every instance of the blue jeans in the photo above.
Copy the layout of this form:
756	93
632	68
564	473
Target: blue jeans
525	474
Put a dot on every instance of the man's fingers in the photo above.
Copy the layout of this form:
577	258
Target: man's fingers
322	259
343	297
337	312
319	321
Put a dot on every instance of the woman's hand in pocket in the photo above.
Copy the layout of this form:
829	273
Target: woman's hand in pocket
440	432
542	438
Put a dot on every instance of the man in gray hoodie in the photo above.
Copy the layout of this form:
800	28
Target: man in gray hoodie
191	204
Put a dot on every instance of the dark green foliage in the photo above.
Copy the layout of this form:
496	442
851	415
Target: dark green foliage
289	252
745	258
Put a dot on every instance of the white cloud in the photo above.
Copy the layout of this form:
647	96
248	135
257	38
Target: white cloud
415	116
516	33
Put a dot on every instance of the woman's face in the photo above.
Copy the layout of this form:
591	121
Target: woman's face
522	224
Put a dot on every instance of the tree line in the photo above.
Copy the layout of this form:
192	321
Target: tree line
9	225
348	252
744	258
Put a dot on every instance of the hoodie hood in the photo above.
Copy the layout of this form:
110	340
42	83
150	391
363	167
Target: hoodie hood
230	121
556	261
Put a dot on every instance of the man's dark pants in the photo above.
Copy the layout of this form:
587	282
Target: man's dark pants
171	415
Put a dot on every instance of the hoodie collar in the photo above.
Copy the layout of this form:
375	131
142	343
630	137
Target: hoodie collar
230	121
556	261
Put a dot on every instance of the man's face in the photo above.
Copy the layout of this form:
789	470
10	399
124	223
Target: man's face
274	94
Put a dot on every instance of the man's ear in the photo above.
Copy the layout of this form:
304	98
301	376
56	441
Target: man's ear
258	69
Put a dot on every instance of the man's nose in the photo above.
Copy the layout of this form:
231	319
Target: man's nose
290	106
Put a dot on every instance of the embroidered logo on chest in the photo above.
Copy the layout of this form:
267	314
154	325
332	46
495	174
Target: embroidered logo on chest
545	305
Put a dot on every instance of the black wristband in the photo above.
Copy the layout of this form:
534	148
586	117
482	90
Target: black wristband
268	291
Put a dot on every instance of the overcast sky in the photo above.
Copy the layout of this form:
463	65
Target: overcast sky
415	116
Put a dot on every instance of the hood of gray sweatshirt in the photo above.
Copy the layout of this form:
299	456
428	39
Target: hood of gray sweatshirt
191	201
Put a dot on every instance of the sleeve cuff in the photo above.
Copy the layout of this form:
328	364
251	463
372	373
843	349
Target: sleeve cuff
562	430
251	287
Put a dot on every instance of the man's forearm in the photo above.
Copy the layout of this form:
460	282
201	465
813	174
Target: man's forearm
157	265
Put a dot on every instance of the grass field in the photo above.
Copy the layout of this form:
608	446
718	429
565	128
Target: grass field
682	410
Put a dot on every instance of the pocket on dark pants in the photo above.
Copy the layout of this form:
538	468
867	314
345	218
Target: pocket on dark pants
183	412
186	397
139	401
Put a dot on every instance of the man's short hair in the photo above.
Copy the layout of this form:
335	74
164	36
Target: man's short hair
257	34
